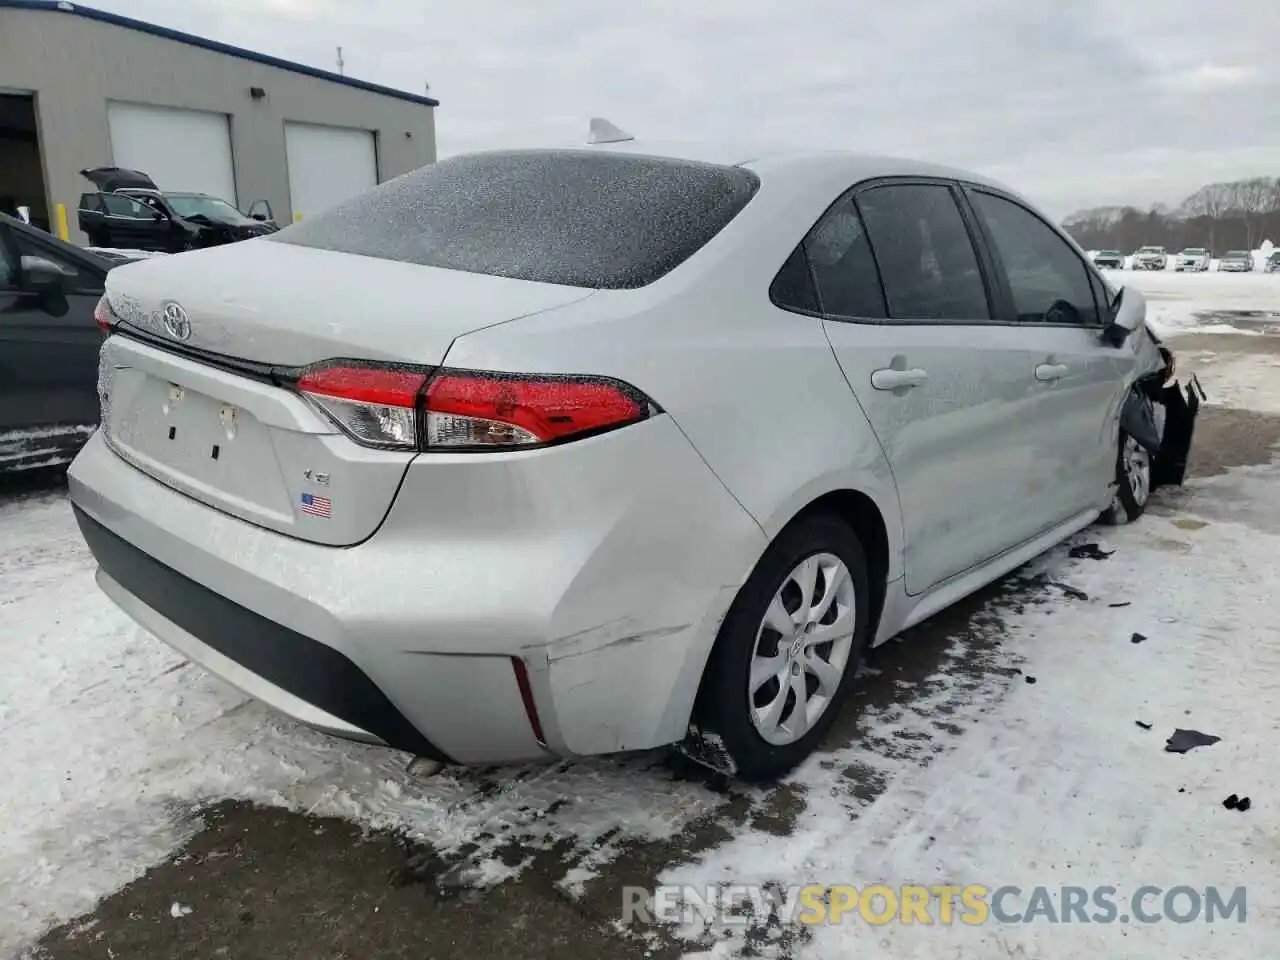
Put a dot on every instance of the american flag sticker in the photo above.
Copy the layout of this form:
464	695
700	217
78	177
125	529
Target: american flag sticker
314	506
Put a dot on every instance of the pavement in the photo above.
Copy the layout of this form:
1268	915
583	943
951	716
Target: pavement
269	883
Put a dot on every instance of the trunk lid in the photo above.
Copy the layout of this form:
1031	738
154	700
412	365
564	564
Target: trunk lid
276	303
111	179
205	415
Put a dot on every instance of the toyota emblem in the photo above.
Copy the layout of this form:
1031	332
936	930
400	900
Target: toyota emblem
175	321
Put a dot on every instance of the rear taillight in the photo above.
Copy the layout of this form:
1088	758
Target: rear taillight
376	406
104	317
458	410
490	410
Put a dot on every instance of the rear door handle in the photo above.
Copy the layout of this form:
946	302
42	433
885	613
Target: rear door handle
1051	371
890	379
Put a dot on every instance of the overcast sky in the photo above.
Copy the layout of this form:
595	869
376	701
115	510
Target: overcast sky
1074	102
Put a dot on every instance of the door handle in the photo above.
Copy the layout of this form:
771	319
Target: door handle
890	379
1051	371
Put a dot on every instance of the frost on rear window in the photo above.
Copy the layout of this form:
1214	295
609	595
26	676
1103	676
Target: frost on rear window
574	217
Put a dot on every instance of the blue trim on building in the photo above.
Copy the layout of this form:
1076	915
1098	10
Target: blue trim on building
89	13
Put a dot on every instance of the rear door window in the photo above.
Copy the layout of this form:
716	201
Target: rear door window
1048	279
119	206
926	257
8	265
844	266
576	217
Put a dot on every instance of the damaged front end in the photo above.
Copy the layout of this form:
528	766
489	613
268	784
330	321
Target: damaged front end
1167	438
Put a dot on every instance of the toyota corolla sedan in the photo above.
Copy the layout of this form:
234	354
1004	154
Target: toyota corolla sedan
567	452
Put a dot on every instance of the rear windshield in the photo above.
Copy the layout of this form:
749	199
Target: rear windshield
1238	254
574	217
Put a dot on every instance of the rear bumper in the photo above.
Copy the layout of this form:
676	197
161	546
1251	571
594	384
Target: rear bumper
295	674
604	567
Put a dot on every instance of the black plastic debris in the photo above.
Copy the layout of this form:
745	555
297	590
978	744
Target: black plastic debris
1089	551
1071	592
1237	803
1144	726
1137	638
1030	679
1122	603
1184	740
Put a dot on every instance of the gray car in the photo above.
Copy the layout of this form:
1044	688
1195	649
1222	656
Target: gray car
549	453
1236	261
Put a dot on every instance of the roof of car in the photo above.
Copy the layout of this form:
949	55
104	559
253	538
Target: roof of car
852	164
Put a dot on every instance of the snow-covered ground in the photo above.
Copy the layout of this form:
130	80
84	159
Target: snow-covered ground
109	740
1182	302
1055	783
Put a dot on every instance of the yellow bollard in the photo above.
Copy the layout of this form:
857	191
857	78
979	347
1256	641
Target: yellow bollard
297	217
64	233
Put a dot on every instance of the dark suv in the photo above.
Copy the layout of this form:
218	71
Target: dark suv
130	212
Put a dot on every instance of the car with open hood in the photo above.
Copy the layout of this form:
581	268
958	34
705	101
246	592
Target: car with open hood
1192	260
563	452
128	211
49	344
1236	261
1108	260
1272	263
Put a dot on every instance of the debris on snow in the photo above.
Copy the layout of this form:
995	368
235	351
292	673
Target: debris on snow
1144	726
1089	551
1184	740
1030	679
1137	638
1235	802
1070	591
1122	603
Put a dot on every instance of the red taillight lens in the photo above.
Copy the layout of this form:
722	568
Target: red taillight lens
376	406
104	316
466	409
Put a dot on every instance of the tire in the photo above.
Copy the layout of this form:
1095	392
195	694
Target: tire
1133	483
730	719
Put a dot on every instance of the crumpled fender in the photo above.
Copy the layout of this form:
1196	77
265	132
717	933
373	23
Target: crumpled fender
1137	419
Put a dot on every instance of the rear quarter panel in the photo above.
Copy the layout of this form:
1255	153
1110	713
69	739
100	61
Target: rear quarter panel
756	389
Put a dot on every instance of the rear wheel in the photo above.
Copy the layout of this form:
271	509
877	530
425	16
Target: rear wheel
1133	482
787	652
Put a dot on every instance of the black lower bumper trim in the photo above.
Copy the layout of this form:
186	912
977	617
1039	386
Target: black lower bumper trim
304	667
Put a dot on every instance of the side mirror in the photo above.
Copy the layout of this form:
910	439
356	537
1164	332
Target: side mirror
260	217
43	276
1127	313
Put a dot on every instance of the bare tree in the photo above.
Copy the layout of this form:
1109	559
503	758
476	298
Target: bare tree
1252	199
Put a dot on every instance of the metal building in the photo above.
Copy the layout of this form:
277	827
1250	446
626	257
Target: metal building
83	88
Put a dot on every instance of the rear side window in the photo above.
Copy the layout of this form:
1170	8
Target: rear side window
575	217
792	288
844	266
1049	282
120	206
927	261
91	202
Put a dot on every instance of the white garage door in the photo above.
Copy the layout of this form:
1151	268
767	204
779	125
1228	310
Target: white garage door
179	149
328	165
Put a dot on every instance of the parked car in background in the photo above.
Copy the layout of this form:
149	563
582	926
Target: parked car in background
1236	261
49	345
1272	263
1150	258
500	490
1109	260
129	212
1193	260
